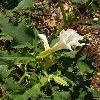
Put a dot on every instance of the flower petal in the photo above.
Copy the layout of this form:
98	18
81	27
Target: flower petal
67	39
45	41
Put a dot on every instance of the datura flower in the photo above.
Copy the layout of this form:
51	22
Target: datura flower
45	41
66	40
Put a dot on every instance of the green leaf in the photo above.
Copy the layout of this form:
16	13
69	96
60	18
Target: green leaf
35	41
44	54
82	95
96	94
83	67
16	57
32	92
94	7
70	54
9	4
24	4
53	42
44	80
19	33
10	84
5	37
4	71
19	97
23	46
60	80
61	95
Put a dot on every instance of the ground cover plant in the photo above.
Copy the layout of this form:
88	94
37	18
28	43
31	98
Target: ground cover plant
49	50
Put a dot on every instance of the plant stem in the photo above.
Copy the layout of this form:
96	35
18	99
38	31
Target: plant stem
63	23
22	78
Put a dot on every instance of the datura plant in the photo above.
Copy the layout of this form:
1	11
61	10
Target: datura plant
66	40
61	70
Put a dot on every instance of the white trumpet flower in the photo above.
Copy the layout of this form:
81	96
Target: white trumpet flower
45	41
66	40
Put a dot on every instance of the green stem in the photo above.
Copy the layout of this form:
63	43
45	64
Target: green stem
63	23
25	74
22	78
